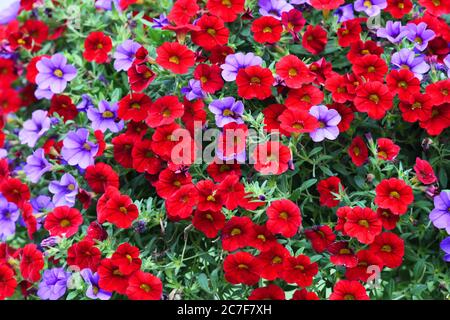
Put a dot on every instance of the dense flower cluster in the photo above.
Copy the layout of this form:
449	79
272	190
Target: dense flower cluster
329	122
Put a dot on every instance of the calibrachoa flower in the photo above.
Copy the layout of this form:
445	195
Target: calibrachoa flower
9	9
394	31
193	91
445	246
78	150
54	284
235	62
227	110
36	165
407	59
273	7
328	121
440	215
64	191
94	291
105	117
370	7
394	194
34	128
9	213
124	55
419	34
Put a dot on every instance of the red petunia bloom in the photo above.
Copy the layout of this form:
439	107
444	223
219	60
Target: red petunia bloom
394	194
20	39
342	255
237	233
338	88
241	267
227	10
164	111
123	146
303	294
96	47
299	270
219	171
144	158
424	171
254	82
181	204
266	29
314	39
293	71
349	32
170	182
272	261
271	114
110	193
341	214
262	239
284	217
358	151
349	290
175	57
326	4
29	219
209	197
84	254
64	107
293	21
320	237
31	263
100	176
417	107
388	219
8	282
209	77
219	53
271	292
390	248
326	187
403	82
322	69
370	67
8	72
398	8
362	224
436	8
212	32
375	98
362	272
360	49
297	121
63	221
15	191
209	222
134	106
110	277
9	101
271	158
121	211
164	140
233	191
439	91
37	30
140	76
183	11
194	114
126	257
439	120
96	232
144	286
304	97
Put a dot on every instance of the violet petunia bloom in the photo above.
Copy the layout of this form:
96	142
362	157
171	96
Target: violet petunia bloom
300	2
94	291
34	128
235	62
445	246
419	34
64	191
345	13
125	54
36	165
53	284
105	117
193	90
274	8
41	204
227	110
328	120
54	73
107	4
9	214
160	22
394	32
440	215
78	150
9	9
50	242
370	7
447	64
406	59
85	103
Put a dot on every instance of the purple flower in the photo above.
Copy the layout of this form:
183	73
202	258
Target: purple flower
34	128
64	191
78	150
94	291
50	241
370	7
300	2
9	9
345	13
160	22
85	103
447	64
419	34
105	117
406	59
36	165
9	213
107	4
328	119
394	32
235	62
54	73
53	284
193	90
227	110
445	246
125	54
440	215
42	204
274	8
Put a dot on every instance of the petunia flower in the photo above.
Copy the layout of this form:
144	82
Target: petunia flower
36	165
64	191
34	128
78	150
105	117
53	284
328	121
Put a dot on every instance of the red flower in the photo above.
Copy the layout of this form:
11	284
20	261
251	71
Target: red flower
164	111
175	57
84	254
403	82
271	114
362	272
63	221
134	106
293	71
417	107
110	193
341	214
388	219
326	4
32	71
293	21
208	222
15	191
219	53
266	29
398	8
304	97
219	171
436	8
123	146
314	39
439	91
360	49
424	172
298	121
362	224
183	11
271	158
375	98
181	204
370	67
209	196
387	149
31	263
338	87
358	151
8	72
37	30
144	286
326	187
194	114
349	290
390	248
8	283
300	270
322	69
271	292
254	82
63	106
110	277
303	294
349	32
144	158
227	10
241	267
29	219
284	218
237	233
164	140
272	261
140	76
342	255
9	101
20	39
232	190
126	257
97	46
346	114
262	239
320	237
212	32
100	176
121	211
170	182
96	232
439	121
209	77
394	194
